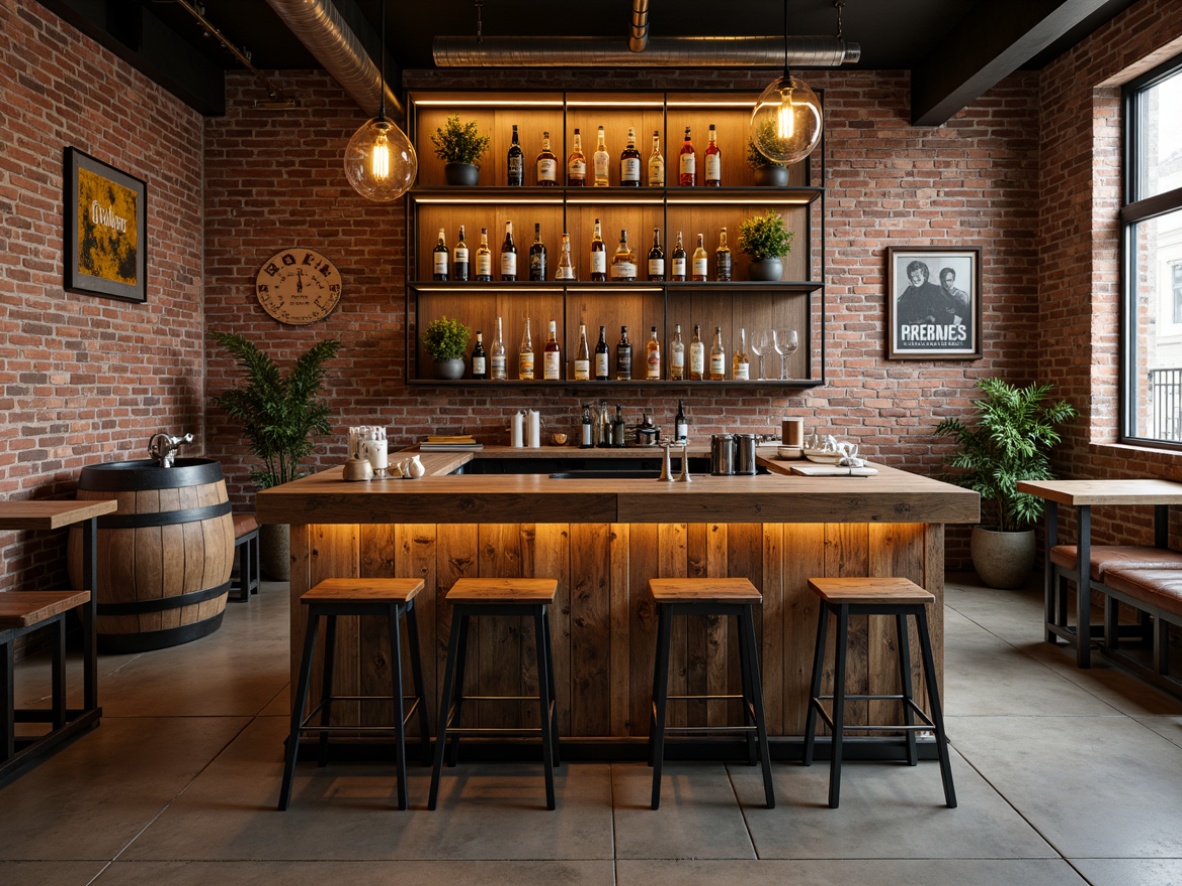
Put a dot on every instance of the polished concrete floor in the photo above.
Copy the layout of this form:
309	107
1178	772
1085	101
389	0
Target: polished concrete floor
1063	776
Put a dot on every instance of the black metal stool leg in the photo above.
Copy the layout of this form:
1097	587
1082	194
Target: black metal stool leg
7	695
396	698
330	645
58	672
297	711
445	710
660	699
453	750
839	658
544	710
751	656
904	642
416	673
929	669
810	720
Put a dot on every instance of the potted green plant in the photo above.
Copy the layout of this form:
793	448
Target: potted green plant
446	340
1010	439
460	146
279	415
768	173
765	240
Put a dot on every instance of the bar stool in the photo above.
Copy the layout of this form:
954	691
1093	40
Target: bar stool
393	598
472	597
709	596
874	596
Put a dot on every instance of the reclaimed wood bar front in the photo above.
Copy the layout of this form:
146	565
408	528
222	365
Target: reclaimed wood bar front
602	539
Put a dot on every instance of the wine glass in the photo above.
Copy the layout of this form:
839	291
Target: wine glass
759	346
786	342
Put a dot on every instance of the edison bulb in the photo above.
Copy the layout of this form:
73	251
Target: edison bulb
380	161
786	124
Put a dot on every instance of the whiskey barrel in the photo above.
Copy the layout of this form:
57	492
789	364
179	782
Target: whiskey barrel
164	558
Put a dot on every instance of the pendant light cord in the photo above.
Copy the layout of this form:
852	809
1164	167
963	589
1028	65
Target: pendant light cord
786	74
382	61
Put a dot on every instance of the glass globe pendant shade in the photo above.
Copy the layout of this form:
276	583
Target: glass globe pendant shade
786	123
380	161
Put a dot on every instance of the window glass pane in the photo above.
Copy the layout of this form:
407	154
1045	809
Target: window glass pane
1155	358
1161	166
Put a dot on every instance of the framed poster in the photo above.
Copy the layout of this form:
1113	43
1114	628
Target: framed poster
933	303
106	234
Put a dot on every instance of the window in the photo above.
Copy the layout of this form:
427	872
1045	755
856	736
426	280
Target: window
1151	227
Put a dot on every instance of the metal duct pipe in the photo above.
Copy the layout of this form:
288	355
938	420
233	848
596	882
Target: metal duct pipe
663	52
320	27
638	34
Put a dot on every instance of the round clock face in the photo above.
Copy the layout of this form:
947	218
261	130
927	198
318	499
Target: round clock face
298	286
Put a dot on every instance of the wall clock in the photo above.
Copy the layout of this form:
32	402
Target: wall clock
298	286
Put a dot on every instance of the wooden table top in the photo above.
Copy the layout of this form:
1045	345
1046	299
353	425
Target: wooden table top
51	514
1105	492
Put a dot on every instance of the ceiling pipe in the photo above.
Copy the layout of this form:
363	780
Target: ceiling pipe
320	27
804	51
638	33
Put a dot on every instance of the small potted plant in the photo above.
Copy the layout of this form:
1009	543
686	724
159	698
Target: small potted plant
447	342
460	146
1010	440
767	172
765	240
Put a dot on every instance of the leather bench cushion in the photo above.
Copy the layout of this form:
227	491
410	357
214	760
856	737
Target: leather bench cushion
1106	557
244	524
1161	588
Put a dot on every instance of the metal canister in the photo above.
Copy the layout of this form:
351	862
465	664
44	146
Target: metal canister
722	454
744	453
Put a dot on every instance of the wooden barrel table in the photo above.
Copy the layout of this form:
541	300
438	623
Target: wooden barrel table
164	558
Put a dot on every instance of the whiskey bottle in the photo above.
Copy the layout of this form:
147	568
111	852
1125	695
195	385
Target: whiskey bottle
717	357
479	358
586	430
624	356
602	370
630	162
741	363
677	271
656	163
552	355
566	269
598	255
697	356
460	265
547	164
656	258
583	356
624	261
652	357
713	162
441	259
677	356
722	258
537	255
516	173
601	160
576	165
680	425
498	365
483	258
525	355
700	260
687	169
508	254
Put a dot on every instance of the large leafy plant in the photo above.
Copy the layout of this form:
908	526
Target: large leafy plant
279	413
764	236
1010	440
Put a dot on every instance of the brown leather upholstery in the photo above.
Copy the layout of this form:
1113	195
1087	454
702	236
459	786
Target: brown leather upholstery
1106	557
1161	588
244	524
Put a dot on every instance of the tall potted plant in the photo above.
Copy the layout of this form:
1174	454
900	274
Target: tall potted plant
279	414
460	146
1010	440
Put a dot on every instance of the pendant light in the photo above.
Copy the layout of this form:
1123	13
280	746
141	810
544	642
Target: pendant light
380	161
786	123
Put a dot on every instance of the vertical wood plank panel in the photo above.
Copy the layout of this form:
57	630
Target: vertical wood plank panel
591	553
772	650
552	559
804	554
696	629
498	660
744	558
896	550
335	554
674	541
457	556
375	560
416	554
847	554
933	573
644	563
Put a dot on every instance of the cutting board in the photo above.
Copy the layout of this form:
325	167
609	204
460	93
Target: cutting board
816	470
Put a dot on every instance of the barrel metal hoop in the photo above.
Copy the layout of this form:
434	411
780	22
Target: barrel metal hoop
163	518
148	640
162	604
144	474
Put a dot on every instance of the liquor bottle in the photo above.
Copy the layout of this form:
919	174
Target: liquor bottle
576	165
508	255
700	260
652	357
598	255
687	170
483	258
441	259
741	363
600	161
630	162
552	355
566	269
717	356
624	261
586	429
537	255
601	356
656	258
722	258
460	265
547	164
604	430
680	425
583	356
713	162
619	430
498	365
697	356
479	358
677	355
678	268
525	355
624	356
516	174
656	163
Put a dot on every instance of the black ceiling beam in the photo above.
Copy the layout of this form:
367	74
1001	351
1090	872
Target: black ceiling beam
992	42
141	39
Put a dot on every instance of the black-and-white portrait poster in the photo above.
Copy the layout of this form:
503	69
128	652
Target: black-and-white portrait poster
933	303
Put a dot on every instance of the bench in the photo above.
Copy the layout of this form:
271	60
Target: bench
246	547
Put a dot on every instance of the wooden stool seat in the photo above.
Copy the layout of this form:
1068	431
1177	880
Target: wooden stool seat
704	590
503	590
364	590
865	595
23	609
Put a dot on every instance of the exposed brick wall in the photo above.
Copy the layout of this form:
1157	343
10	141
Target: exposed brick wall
86	379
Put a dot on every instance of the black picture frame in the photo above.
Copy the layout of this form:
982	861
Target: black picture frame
106	229
937	314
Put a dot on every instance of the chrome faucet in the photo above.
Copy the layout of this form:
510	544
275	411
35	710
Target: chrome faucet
163	448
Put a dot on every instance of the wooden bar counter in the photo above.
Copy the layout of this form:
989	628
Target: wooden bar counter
602	539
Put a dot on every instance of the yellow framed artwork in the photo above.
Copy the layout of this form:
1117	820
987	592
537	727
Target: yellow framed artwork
106	229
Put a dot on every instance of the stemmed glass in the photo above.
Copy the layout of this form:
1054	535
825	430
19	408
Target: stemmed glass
760	342
785	342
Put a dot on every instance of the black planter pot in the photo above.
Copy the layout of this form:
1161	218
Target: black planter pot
771	176
466	174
